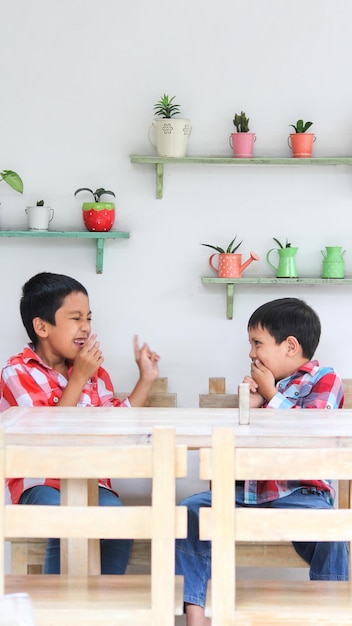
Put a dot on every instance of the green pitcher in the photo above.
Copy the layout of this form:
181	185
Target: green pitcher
287	262
333	263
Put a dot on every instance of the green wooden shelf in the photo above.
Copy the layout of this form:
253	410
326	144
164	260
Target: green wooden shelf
159	163
100	238
272	282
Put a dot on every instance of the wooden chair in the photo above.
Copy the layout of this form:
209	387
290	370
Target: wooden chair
100	600
255	602
273	554
28	554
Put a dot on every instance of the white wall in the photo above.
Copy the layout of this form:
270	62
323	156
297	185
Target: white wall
78	83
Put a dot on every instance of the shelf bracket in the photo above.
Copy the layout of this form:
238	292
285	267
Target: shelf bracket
159	169
100	256
230	292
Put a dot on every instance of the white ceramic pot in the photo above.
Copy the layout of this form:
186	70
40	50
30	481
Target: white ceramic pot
171	136
39	217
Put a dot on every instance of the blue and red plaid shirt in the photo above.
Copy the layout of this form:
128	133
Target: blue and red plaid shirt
310	387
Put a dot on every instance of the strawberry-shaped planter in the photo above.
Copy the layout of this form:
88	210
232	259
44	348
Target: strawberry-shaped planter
98	216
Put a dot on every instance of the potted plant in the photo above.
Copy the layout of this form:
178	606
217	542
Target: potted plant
229	261
171	133
98	215
287	261
242	141
301	142
39	216
13	179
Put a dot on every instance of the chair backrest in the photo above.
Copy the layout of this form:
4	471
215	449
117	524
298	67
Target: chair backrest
161	521
224	524
218	398
159	395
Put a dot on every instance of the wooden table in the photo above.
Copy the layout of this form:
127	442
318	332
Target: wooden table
274	428
73	426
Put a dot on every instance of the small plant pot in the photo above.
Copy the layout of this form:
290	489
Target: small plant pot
98	216
39	217
242	144
301	145
230	264
171	136
286	267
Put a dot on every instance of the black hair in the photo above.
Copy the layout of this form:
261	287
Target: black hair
289	316
42	296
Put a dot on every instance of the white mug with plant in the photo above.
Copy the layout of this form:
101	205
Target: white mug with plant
171	132
39	216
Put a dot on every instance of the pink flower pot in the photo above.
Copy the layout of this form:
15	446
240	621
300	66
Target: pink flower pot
242	144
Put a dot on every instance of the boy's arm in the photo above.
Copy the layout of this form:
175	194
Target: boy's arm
147	362
85	365
263	381
256	400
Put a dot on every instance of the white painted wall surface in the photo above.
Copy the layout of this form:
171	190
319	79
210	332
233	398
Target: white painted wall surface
78	83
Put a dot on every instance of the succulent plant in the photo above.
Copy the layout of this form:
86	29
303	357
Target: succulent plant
287	245
301	126
166	107
241	122
231	249
40	203
13	179
97	193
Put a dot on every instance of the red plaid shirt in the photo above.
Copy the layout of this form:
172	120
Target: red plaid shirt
27	381
310	387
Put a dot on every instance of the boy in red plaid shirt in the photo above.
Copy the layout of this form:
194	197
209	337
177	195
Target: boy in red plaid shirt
62	366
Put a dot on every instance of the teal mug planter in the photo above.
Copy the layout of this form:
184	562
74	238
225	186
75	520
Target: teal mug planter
333	263
287	262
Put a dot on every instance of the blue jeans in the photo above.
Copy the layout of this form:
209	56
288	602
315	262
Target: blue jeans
327	560
114	552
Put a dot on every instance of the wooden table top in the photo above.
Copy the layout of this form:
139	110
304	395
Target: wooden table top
267	428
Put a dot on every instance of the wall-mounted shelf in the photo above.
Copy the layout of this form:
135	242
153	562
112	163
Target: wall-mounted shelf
159	163
272	282
51	234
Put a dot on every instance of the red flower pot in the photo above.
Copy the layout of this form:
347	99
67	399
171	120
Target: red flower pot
98	216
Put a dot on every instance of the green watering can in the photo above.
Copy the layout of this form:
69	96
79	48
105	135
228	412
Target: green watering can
333	263
287	262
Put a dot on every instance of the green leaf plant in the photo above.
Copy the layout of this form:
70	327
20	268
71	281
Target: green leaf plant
231	249
301	126
166	107
241	122
97	193
287	245
13	179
